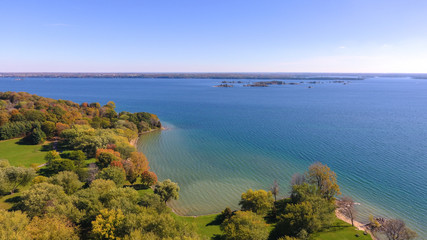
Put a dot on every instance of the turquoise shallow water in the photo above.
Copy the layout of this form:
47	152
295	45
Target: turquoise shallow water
222	141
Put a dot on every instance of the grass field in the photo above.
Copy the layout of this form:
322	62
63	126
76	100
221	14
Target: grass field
21	155
205	225
341	231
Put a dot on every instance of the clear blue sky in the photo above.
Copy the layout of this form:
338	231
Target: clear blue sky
213	36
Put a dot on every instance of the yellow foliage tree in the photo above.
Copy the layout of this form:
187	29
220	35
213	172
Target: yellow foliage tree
325	179
108	224
51	228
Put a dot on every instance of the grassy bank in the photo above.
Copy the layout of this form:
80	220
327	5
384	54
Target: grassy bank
19	154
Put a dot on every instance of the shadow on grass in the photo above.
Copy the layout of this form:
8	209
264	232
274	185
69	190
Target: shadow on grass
139	186
44	148
15	199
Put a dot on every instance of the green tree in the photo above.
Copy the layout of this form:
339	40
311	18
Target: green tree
245	226
69	181
325	179
51	155
259	202
49	128
167	190
59	165
78	156
45	198
37	136
116	174
13	177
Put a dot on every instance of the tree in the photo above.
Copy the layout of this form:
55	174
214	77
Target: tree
49	128
13	177
167	190
346	207
396	229
259	202
105	158
51	155
140	162
275	190
69	181
310	215
325	179
108	224
117	175
51	228
45	198
12	225
245	226
148	179
37	136
78	156
297	179
59	165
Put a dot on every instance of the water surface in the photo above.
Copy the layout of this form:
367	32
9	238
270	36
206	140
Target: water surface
222	141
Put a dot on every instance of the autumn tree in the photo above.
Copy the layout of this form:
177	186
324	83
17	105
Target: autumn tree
104	157
108	224
12	225
347	208
140	162
325	180
148	179
259	202
167	190
245	226
51	228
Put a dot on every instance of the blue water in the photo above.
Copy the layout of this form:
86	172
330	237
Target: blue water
222	141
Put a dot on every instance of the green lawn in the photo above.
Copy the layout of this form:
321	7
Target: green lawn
341	231
205	225
21	155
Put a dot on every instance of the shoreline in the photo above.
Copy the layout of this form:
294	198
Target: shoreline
360	226
134	141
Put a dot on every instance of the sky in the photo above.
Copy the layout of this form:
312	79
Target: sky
380	36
